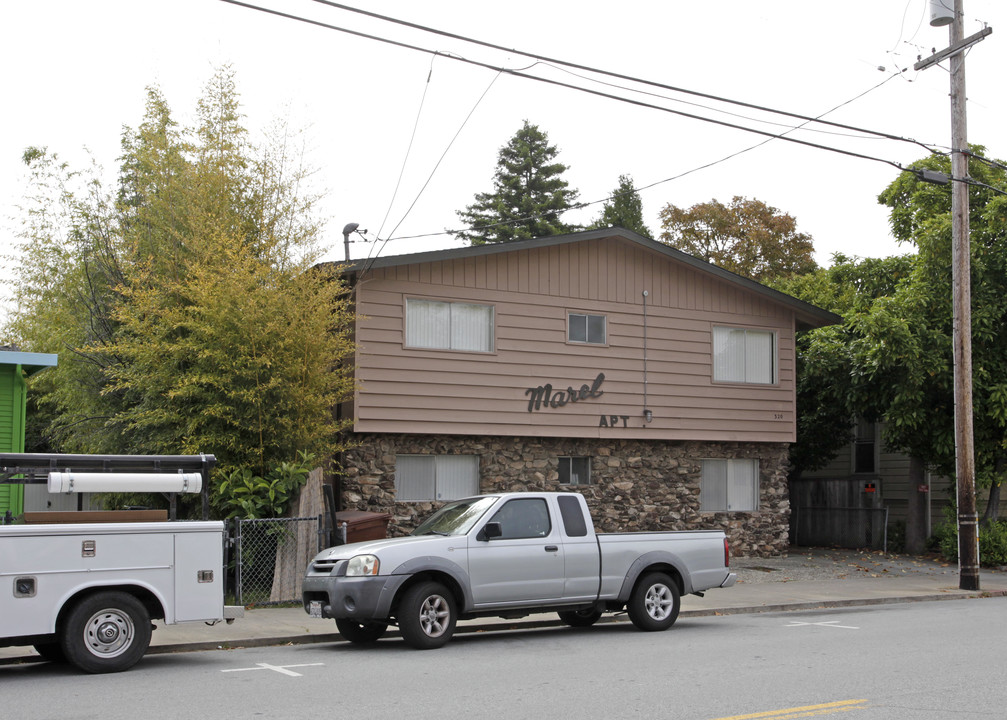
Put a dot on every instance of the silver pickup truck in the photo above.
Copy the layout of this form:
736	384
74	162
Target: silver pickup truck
510	555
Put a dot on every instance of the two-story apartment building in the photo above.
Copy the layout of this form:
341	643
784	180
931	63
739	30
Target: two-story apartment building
659	386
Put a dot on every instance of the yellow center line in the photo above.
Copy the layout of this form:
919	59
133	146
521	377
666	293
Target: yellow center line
803	711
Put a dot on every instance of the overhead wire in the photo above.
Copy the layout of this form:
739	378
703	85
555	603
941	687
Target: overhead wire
517	73
430	176
552	61
665	86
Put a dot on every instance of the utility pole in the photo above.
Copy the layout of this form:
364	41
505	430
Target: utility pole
968	518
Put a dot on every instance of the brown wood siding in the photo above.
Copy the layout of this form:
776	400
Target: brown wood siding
434	391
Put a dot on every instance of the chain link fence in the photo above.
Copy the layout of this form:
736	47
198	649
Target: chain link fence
843	527
271	555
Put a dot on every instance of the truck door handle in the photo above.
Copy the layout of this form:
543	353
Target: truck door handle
551	548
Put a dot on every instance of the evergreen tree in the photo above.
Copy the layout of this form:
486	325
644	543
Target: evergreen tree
624	209
529	194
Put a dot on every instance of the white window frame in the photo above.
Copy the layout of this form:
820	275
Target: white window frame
435	478
571	314
572	478
746	365
454	335
729	485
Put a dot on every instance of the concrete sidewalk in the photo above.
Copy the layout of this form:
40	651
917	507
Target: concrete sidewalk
821	579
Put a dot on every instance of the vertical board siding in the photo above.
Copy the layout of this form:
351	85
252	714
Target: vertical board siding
433	391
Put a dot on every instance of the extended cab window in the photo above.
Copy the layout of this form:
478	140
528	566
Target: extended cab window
573	516
523	518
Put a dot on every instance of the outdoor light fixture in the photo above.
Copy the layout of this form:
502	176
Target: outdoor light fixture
648	415
68	481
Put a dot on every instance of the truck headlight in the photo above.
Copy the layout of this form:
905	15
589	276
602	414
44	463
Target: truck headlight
362	565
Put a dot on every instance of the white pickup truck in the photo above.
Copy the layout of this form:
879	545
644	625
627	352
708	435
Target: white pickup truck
85	592
510	555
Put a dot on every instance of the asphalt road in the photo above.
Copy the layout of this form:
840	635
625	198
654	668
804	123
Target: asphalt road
914	661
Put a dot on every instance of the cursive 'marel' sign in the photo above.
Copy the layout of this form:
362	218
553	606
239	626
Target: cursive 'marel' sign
543	396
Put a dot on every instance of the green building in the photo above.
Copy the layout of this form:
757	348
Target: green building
15	367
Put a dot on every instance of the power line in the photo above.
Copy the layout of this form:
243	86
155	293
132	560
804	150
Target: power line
552	61
516	73
620	76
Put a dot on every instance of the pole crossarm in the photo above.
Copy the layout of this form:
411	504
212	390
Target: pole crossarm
953	49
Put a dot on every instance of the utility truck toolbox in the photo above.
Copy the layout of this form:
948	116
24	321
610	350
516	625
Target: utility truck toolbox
86	592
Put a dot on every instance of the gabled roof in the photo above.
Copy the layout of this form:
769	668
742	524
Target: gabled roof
808	316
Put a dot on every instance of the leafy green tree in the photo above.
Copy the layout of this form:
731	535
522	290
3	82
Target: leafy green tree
746	237
624	209
63	290
188	311
921	414
833	386
529	194
892	357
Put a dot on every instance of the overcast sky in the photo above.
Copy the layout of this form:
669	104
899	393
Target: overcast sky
76	72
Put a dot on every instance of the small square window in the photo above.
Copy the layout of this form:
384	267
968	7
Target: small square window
588	329
575	471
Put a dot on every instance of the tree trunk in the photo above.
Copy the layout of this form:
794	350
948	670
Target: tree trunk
300	545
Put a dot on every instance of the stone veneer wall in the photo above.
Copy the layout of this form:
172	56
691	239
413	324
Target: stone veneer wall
635	485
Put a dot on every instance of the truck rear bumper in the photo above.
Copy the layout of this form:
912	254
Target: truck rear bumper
730	580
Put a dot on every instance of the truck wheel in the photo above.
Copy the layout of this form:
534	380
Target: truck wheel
654	603
427	616
360	633
106	632
580	618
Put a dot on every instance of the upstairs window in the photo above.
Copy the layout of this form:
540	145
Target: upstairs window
439	325
589	329
744	356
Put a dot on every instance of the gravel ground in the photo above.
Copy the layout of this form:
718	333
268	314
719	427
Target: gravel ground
803	564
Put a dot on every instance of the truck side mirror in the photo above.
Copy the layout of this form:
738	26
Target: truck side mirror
491	530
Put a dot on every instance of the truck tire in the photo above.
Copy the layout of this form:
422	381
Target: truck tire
106	632
51	651
360	633
580	618
654	603
427	616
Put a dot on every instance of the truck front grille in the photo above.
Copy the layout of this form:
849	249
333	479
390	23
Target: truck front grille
325	567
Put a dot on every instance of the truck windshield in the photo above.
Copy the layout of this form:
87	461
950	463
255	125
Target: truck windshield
455	518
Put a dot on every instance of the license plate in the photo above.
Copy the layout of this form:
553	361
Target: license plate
315	608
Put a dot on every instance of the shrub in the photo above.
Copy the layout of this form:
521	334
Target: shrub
248	496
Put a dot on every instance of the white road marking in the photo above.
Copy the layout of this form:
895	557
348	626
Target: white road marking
829	623
282	669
